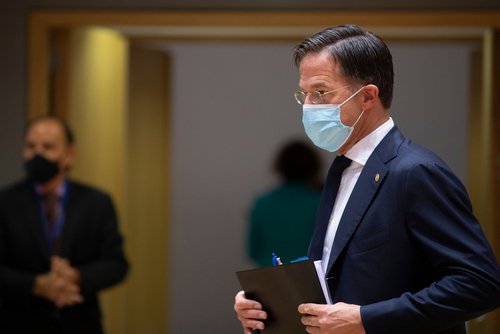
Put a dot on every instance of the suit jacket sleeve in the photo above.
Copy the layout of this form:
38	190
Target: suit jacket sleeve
17	268
109	266
13	282
439	218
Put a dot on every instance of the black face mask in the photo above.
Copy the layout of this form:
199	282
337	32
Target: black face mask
40	169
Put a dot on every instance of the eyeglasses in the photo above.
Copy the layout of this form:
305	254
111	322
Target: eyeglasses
315	97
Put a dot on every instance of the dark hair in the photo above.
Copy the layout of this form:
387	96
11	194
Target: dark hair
363	57
68	133
298	161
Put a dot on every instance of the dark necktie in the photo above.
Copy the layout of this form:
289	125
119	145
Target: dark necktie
51	201
326	205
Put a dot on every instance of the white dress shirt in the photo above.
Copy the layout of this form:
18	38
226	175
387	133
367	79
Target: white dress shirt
359	155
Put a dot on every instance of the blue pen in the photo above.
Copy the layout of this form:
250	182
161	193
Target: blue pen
276	260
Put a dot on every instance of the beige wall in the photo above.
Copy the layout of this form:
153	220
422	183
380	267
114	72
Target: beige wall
147	194
115	98
97	91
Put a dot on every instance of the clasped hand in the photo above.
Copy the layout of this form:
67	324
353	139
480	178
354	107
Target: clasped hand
339	318
61	284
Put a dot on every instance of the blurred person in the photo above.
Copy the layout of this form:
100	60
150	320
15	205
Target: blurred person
401	249
59	241
282	219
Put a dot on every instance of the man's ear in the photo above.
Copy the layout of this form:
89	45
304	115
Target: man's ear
70	156
369	96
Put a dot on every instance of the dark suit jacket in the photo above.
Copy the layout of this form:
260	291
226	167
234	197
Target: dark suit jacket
90	240
408	248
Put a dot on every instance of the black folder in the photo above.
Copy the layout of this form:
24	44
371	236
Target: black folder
280	290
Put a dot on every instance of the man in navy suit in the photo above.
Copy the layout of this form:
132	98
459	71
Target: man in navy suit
59	241
400	248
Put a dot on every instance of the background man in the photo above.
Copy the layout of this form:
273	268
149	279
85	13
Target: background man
59	241
400	247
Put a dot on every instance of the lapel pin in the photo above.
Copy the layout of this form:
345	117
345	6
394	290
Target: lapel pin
377	177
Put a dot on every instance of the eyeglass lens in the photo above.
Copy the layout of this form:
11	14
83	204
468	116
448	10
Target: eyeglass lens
314	97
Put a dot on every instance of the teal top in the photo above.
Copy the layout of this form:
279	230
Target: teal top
282	221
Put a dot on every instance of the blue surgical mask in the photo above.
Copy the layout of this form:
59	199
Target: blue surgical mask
323	125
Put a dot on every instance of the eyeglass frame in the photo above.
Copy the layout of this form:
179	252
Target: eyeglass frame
318	93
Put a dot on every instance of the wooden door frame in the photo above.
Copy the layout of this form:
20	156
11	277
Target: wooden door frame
42	22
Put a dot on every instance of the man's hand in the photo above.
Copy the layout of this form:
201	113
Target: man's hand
63	269
249	313
339	318
60	285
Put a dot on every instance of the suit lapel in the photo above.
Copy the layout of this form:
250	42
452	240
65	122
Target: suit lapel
361	197
70	218
370	180
33	220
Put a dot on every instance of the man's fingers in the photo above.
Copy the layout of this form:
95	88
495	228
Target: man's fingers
62	268
68	299
73	288
251	324
251	318
308	308
249	312
248	309
58	263
242	303
252	314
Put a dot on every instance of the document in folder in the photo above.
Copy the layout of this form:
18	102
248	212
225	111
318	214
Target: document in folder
281	289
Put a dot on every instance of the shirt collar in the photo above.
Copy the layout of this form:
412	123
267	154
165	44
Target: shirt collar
362	150
60	190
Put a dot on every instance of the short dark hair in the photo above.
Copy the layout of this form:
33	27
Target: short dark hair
68	133
364	58
298	161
